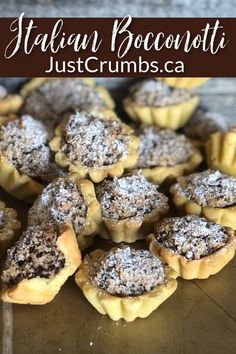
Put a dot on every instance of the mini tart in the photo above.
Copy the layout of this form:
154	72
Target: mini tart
71	200
20	186
184	82
9	103
117	306
160	153
185	266
39	289
168	112
203	123
63	96
223	215
33	84
130	206
221	152
96	172
26	161
9	227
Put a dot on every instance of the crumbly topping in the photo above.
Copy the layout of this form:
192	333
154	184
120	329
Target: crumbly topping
24	143
94	142
158	94
191	236
162	147
129	196
126	272
62	202
3	92
36	254
208	188
2	219
203	123
55	99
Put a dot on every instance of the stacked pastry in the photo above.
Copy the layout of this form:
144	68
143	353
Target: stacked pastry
94	175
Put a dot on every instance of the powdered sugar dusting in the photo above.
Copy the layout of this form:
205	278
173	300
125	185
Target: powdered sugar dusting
94	142
24	143
203	123
57	98
158	94
126	271
62	202
162	147
209	188
191	236
129	196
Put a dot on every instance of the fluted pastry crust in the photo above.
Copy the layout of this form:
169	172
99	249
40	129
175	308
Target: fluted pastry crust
173	116
127	307
195	269
184	82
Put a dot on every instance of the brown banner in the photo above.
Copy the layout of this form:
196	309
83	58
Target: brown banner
117	47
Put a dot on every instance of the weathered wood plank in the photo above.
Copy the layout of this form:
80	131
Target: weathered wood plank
144	8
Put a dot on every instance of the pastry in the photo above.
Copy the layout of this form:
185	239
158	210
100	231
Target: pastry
153	102
9	227
204	123
184	82
125	283
192	246
71	200
129	206
95	145
210	194
26	161
164	154
39	264
52	99
9	103
221	152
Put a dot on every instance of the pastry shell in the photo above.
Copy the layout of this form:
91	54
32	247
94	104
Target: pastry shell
221	152
160	174
10	230
131	229
173	117
93	216
195	269
100	173
184	82
18	185
38	81
223	216
10	104
126	307
40	291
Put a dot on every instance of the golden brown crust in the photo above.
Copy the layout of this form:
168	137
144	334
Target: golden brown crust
10	104
195	269
19	186
184	82
93	216
131	229
161	174
127	307
221	152
173	117
40	291
223	216
96	174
